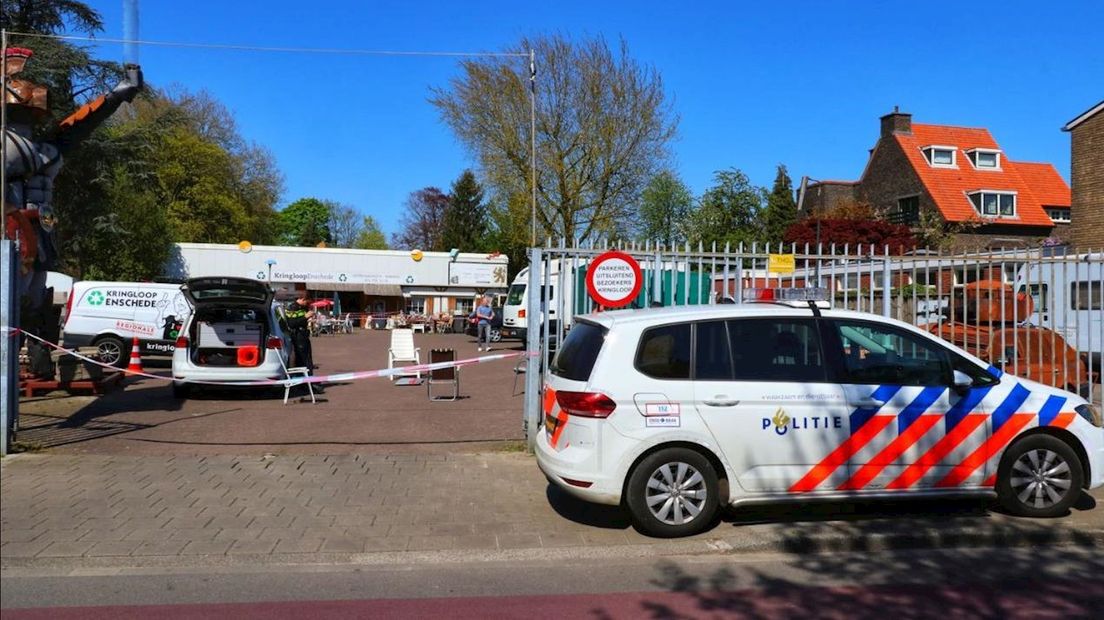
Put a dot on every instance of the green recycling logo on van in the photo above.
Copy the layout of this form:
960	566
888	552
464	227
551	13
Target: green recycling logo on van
95	298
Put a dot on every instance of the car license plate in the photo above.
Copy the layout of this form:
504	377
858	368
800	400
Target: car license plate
550	424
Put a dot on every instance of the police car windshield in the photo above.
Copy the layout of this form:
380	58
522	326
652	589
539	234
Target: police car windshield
576	357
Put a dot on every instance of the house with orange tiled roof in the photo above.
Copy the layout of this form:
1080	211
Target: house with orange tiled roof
960	175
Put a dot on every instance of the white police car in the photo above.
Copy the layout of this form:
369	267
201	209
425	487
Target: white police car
675	411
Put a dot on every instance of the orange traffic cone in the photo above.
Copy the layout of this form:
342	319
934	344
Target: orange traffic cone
135	358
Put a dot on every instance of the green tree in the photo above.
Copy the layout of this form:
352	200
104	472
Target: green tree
781	210
728	211
137	243
305	223
603	128
465	221
195	182
665	208
509	233
371	236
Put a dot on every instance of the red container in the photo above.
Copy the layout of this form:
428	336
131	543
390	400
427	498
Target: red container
249	356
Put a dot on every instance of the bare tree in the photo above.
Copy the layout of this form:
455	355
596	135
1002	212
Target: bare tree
603	125
345	224
423	220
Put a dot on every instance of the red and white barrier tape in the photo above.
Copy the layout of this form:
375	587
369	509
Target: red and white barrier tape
291	381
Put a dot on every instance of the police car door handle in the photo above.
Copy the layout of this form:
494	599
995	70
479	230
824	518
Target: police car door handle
867	403
721	403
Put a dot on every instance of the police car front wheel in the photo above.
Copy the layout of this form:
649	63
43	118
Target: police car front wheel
672	492
1039	476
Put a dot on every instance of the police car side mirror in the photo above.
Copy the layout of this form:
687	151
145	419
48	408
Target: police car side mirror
962	382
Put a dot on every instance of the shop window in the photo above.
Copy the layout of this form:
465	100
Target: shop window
415	305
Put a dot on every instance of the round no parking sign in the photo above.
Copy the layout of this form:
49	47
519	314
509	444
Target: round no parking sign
613	279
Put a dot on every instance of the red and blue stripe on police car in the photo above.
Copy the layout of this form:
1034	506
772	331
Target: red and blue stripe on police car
915	422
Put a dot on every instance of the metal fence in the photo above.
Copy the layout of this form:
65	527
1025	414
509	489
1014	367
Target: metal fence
1036	313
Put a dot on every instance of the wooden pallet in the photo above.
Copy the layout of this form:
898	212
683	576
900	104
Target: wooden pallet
29	386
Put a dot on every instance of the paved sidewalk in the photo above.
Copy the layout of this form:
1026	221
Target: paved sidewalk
72	511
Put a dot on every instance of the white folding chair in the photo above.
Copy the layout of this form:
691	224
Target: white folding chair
291	374
403	350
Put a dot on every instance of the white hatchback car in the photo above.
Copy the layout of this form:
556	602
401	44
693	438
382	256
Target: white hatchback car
674	412
232	335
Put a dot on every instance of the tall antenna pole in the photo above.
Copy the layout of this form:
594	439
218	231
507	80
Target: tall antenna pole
533	142
130	32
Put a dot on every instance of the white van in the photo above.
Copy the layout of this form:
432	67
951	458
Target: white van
1069	298
515	323
110	314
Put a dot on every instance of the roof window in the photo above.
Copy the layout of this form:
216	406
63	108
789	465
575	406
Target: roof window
941	156
1058	215
993	203
985	159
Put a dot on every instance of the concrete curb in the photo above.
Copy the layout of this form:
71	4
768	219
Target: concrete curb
833	538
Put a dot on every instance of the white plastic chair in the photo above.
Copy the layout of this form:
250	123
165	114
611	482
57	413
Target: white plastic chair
289	381
403	350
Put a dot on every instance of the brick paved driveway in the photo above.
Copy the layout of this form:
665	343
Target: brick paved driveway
359	416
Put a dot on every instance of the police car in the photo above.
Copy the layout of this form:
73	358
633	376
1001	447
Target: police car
674	412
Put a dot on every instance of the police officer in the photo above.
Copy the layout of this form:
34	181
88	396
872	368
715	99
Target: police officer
297	317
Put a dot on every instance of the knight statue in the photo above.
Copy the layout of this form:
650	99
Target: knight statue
31	163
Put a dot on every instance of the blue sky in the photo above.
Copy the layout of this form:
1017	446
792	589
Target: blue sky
754	85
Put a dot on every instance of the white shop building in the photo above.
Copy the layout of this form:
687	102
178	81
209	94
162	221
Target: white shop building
377	281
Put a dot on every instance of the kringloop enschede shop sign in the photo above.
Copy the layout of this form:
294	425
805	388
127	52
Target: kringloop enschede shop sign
614	279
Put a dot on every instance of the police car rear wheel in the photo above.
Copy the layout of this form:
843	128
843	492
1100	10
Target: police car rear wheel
673	493
1039	476
111	351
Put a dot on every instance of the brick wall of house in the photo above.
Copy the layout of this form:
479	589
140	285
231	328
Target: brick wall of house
889	176
825	196
1087	182
997	237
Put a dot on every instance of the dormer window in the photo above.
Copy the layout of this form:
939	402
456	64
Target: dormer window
984	159
993	203
941	156
1059	215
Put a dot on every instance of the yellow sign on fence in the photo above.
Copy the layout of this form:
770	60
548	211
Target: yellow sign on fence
780	263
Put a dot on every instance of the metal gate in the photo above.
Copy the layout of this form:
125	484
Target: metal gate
1037	313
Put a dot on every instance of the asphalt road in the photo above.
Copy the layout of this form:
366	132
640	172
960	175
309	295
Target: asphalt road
1058	582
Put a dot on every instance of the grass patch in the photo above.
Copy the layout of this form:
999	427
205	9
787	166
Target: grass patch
18	447
513	446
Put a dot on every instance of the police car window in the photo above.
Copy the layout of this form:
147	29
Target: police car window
980	376
874	353
575	359
711	358
776	350
664	352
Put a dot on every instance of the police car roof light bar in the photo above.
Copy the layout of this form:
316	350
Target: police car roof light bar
777	294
